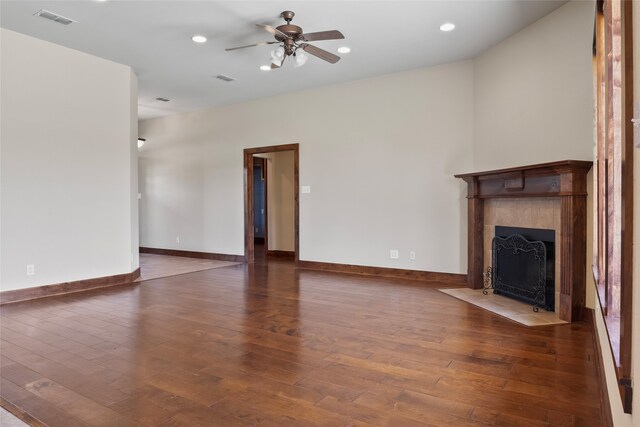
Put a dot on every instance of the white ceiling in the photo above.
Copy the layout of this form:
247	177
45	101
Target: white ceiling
154	38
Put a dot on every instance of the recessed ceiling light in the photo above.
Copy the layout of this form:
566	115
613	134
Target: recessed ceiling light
344	49
265	67
447	26
199	39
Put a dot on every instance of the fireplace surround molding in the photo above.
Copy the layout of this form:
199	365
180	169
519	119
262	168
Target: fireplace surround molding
566	180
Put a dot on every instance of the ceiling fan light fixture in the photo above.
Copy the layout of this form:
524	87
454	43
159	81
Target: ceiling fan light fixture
277	56
300	58
344	49
278	53
198	38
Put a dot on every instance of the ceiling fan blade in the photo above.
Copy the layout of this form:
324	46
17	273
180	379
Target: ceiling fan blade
320	53
250	45
272	30
322	35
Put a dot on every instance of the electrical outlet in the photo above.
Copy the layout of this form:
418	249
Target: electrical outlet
177	239
31	269
412	255
394	254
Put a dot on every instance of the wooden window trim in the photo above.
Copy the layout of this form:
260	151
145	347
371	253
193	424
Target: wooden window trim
613	181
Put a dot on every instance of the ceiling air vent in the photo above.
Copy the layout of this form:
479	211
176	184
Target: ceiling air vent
225	78
53	17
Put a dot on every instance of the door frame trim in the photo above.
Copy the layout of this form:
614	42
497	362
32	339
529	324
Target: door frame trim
249	247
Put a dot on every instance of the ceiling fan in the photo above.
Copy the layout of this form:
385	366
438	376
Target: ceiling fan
292	41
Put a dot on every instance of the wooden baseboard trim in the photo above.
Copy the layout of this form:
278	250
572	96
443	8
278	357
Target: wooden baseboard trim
424	276
17	295
20	414
281	254
192	254
589	316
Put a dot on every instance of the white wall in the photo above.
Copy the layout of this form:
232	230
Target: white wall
67	164
281	203
533	93
133	171
379	155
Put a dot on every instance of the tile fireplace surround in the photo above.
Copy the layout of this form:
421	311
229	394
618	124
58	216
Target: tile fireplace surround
548	195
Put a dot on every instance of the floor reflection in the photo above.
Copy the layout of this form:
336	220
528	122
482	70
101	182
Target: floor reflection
272	324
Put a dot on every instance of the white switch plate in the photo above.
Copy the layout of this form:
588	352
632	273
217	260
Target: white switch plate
177	239
31	269
305	189
394	254
412	255
139	196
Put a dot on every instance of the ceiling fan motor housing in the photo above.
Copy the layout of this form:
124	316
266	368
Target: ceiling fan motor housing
291	30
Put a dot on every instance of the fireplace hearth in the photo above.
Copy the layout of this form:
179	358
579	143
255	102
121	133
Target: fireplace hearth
522	265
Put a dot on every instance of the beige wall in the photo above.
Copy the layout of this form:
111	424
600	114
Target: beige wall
533	101
280	201
133	171
379	155
67	164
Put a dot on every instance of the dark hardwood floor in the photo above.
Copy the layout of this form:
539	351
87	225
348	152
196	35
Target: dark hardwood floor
270	345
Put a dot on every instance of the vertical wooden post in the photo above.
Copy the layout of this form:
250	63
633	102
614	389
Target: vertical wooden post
573	257
475	239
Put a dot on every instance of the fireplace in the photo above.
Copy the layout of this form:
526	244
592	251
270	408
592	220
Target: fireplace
523	265
562	184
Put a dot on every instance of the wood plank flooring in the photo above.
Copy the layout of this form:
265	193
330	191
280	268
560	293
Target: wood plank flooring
269	345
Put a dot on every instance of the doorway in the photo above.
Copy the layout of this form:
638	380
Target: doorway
260	211
253	216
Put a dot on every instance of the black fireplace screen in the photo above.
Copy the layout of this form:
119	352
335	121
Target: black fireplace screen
519	270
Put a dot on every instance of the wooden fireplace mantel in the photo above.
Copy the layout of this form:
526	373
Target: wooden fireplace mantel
566	180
